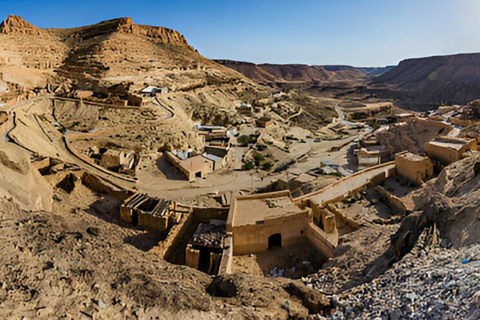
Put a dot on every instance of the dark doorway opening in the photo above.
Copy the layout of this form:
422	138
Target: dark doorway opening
204	262
198	174
275	241
135	217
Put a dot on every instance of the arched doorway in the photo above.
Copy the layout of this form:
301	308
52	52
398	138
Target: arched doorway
275	241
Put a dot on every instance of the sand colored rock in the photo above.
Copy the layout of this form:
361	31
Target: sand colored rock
20	181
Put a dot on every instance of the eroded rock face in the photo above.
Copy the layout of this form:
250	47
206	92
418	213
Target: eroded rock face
21	182
16	25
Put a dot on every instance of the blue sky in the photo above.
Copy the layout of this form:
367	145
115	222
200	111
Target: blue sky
354	32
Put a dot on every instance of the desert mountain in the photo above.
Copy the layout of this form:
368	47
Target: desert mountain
282	74
102	50
433	80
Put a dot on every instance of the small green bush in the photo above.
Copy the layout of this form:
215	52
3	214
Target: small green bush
243	140
258	158
248	166
267	166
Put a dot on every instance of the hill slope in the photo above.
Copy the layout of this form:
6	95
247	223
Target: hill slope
302	74
432	80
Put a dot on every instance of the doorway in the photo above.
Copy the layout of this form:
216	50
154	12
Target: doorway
275	241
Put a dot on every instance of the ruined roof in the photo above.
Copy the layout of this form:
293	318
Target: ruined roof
112	152
209	235
253	209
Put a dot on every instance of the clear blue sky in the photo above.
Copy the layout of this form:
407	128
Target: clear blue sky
354	32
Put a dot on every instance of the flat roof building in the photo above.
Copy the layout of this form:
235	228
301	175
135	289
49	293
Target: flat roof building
192	168
262	221
448	149
413	166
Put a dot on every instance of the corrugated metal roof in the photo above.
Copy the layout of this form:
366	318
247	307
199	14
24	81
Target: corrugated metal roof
211	157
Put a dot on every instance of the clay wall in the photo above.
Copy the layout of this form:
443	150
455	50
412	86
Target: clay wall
447	155
147	220
414	169
254	238
318	238
96	184
392	199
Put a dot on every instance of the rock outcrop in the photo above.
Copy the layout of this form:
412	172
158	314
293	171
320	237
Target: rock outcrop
20	182
451	202
16	25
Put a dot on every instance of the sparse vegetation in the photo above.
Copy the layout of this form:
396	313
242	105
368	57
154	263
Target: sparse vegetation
244	140
267	166
248	166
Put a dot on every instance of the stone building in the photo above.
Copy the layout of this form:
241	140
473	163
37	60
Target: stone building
192	168
264	122
414	167
262	221
448	149
244	108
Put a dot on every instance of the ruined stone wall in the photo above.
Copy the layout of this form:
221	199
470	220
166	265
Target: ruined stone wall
96	184
392	199
173	248
151	221
338	213
227	257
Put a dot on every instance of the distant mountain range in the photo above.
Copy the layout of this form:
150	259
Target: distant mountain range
453	79
303	74
420	83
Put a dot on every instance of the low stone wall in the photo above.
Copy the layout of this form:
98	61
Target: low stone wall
338	213
392	199
374	179
96	184
318	238
177	231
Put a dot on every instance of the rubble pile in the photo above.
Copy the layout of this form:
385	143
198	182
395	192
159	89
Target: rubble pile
439	283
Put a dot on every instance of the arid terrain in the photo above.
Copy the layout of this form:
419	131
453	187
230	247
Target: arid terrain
141	180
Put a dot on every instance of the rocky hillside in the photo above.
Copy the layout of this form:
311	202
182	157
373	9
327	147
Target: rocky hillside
302	74
117	54
453	79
